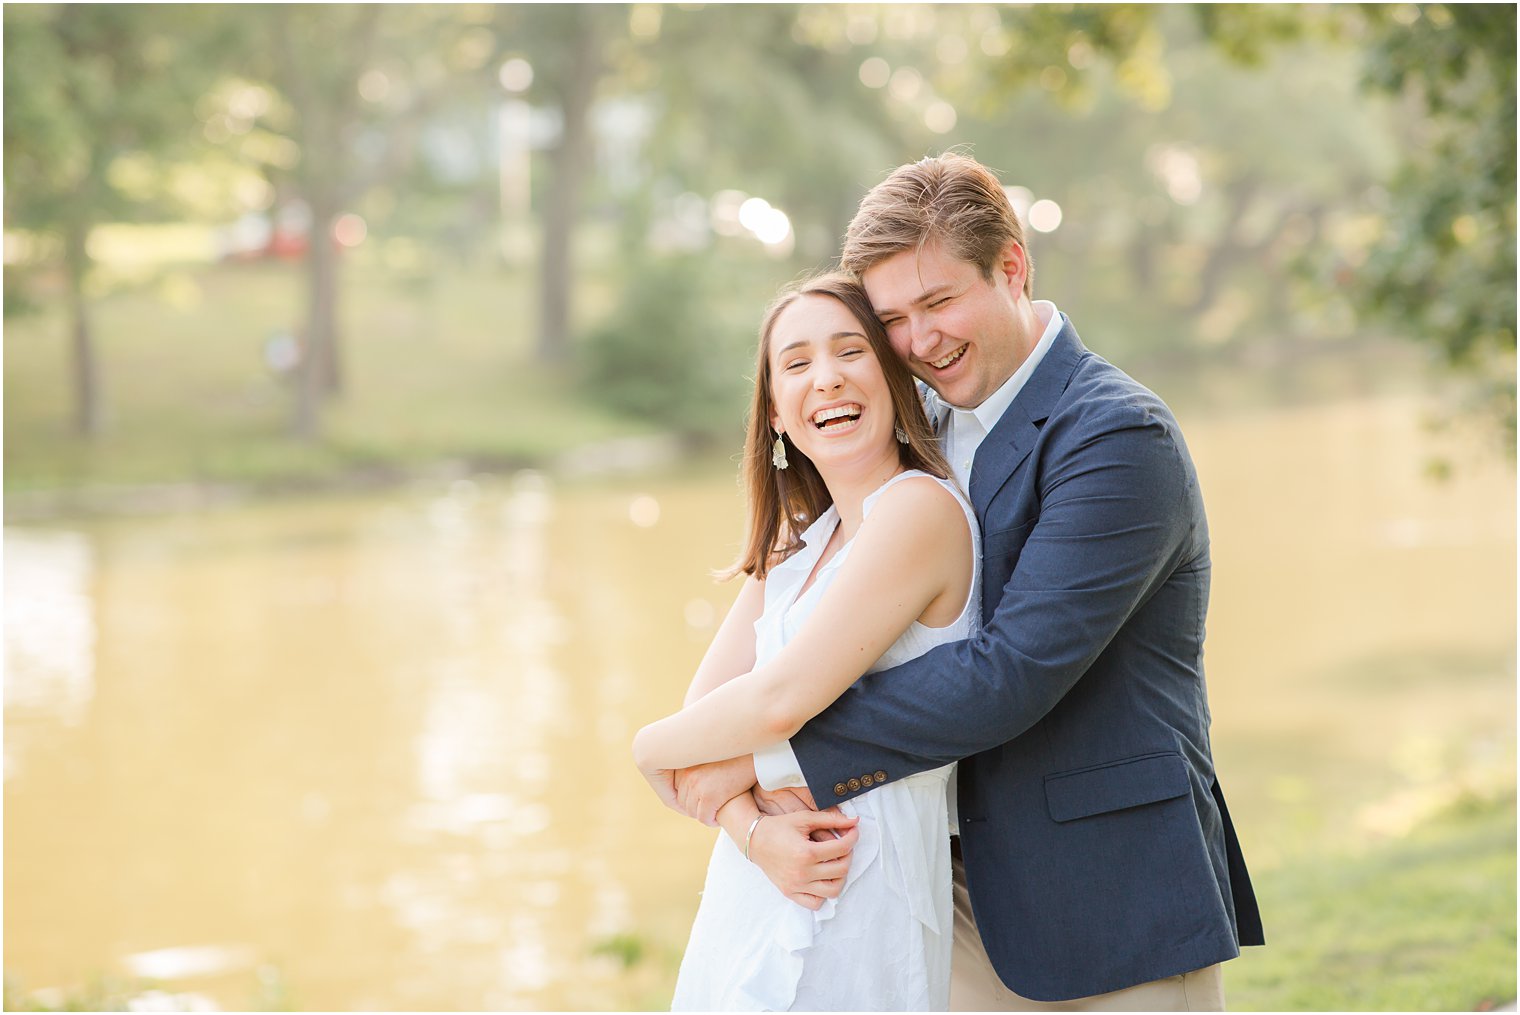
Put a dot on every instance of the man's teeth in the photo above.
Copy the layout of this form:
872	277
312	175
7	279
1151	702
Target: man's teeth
823	417
940	364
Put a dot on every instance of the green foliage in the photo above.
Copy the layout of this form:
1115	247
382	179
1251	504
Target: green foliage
1424	923
1183	230
1313	201
674	350
442	375
627	949
780	113
1444	270
86	85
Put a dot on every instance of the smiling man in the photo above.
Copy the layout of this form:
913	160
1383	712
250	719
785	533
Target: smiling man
1096	865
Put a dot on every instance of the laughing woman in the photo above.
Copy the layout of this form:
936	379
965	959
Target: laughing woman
861	554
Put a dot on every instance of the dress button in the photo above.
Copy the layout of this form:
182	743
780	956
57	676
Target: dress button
840	789
866	780
881	776
854	784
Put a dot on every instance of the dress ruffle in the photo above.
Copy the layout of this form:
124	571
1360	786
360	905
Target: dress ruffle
771	983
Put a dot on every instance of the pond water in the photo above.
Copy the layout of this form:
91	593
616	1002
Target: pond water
372	752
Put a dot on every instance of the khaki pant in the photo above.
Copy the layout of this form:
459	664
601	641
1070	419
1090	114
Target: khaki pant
975	986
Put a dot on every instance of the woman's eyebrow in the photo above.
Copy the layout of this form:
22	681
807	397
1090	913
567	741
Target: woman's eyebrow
836	336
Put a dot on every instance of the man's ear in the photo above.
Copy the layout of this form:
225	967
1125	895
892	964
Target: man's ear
1012	267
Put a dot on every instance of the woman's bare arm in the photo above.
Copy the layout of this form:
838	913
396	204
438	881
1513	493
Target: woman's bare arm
732	651
914	548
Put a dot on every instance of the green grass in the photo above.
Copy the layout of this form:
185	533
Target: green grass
1423	923
117	993
435	367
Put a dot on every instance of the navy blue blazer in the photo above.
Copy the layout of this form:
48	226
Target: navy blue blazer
1098	850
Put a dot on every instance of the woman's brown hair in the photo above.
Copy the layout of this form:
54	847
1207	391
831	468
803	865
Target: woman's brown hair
784	502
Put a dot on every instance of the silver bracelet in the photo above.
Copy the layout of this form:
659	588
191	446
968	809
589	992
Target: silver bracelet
750	834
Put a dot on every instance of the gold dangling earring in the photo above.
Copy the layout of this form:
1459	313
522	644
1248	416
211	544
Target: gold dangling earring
778	453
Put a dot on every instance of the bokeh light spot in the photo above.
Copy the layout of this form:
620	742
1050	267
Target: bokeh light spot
644	511
350	230
515	75
1045	216
940	117
875	72
905	84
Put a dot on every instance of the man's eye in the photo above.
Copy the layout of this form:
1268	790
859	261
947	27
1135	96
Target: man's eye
942	299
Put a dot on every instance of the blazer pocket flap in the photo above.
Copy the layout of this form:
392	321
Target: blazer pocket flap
1115	786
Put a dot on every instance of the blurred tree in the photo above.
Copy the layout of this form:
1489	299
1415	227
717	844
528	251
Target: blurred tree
674	349
569	45
756	101
768	100
1431	256
357	83
318	54
1444	269
87	86
1179	228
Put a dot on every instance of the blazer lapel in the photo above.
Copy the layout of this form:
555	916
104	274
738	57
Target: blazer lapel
1011	440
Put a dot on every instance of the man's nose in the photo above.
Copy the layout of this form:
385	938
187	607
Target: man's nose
923	337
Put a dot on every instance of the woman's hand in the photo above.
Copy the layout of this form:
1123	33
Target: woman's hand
805	854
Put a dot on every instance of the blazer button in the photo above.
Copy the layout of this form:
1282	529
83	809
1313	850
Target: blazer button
840	789
854	784
866	780
881	776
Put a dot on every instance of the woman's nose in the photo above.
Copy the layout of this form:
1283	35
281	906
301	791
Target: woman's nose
827	378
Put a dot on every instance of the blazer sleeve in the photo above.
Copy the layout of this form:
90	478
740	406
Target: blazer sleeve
1118	510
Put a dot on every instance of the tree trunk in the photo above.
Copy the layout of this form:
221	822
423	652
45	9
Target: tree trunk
568	164
324	300
318	376
1226	250
87	397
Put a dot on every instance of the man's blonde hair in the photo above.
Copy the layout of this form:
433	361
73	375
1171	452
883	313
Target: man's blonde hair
951	198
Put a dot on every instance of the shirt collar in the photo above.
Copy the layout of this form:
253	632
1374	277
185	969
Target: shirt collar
991	410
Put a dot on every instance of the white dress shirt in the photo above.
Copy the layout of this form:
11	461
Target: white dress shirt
963	432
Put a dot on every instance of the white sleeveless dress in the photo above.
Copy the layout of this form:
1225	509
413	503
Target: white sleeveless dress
884	944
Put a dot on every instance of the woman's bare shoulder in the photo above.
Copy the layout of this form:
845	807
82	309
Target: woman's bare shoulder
927	505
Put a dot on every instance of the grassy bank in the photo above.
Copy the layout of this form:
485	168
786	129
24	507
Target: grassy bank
1423	923
437	366
434	368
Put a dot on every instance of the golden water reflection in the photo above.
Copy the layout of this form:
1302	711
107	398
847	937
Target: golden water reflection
379	745
371	753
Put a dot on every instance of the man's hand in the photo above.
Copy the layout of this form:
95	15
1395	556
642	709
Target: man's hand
701	790
783	801
662	781
805	854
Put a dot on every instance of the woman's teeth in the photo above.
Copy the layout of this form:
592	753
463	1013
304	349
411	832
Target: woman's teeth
839	416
